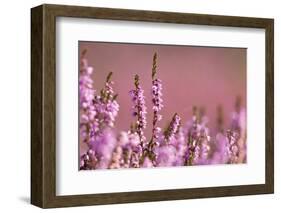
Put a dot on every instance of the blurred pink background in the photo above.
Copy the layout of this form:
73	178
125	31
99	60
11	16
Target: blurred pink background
201	76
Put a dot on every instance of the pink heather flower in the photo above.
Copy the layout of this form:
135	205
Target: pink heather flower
97	114
116	158
147	163
237	134
111	106
135	160
233	151
134	140
103	146
131	149
202	153
105	109
204	144
238	119
136	150
127	154
165	155
110	112
123	139
198	139
242	140
220	155
85	84
157	106
173	128
157	95
230	147
196	154
88	160
139	110
86	94
180	143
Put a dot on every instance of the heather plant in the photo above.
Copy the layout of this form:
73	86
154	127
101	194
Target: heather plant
157	102
180	143
139	111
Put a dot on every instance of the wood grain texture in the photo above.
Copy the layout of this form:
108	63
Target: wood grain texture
43	105
269	106
36	106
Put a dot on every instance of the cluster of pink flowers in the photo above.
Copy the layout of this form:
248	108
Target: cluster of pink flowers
156	101
139	110
179	144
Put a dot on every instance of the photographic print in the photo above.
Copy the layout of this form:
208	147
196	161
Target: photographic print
142	95
149	105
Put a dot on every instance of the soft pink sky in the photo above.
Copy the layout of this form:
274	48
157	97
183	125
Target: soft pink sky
201	76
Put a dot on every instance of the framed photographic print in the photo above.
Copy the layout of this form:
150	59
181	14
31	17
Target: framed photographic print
135	106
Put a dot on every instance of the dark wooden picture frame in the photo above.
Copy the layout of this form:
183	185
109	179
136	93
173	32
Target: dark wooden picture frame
43	105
